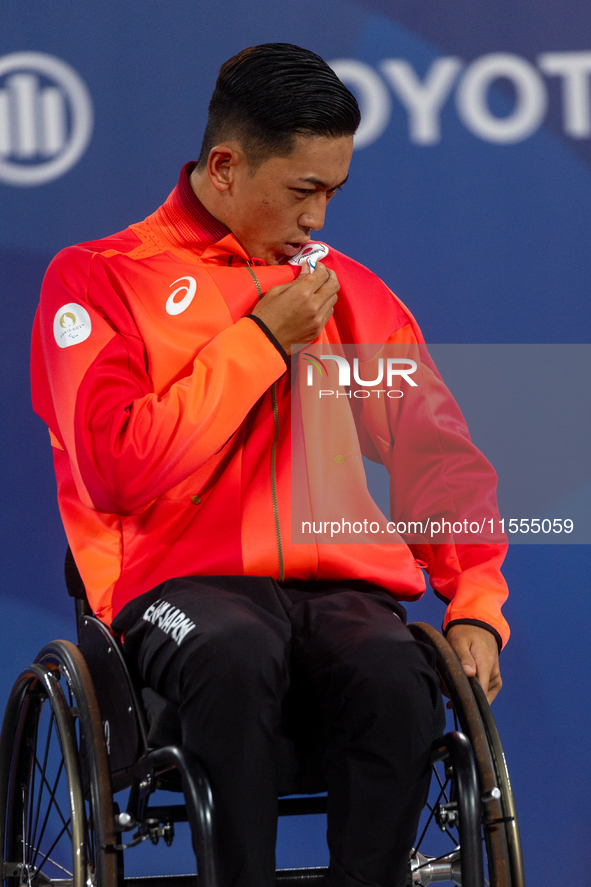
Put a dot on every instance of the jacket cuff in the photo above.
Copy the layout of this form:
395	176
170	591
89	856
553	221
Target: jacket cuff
272	339
478	624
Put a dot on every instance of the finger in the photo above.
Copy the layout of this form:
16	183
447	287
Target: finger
467	661
328	307
480	669
328	290
487	667
333	279
494	685
311	281
474	669
491	693
319	276
483	678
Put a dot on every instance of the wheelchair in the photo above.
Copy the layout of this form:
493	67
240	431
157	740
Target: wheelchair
79	729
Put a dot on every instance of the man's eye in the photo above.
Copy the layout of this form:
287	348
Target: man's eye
306	191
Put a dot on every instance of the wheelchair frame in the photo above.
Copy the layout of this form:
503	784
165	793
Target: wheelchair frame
103	746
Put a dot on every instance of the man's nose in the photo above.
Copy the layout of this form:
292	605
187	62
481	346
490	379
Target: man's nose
313	217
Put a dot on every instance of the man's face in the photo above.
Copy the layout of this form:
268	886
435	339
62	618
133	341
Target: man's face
272	212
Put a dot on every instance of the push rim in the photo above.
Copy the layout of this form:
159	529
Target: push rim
472	714
44	830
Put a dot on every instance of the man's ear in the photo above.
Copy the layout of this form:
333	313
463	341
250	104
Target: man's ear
221	166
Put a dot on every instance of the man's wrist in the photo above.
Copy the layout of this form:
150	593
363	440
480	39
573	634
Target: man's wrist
274	341
478	624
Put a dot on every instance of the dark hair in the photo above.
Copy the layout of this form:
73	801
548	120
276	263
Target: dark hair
268	94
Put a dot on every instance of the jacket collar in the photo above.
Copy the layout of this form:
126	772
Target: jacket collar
184	208
184	225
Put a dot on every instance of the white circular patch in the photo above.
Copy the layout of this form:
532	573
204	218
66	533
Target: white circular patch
71	325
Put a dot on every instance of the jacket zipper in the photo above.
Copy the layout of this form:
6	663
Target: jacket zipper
273	454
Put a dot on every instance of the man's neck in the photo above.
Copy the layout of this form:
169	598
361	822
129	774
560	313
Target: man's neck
206	194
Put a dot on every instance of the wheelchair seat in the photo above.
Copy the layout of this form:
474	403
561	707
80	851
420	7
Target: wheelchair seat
79	721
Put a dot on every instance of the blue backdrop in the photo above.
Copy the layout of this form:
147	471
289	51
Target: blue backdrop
470	194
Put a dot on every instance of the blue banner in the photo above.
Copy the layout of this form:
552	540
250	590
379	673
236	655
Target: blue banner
469	194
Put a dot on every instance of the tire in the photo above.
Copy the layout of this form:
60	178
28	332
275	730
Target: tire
507	801
503	857
56	819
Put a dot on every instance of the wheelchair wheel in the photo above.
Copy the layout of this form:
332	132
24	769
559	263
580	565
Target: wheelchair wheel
500	830
56	821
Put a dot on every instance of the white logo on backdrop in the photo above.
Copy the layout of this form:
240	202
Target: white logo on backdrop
424	97
46	118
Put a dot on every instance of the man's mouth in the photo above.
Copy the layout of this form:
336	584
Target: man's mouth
292	248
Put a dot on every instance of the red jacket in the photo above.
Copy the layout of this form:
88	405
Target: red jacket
169	416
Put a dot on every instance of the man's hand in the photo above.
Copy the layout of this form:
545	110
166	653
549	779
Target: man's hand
477	650
297	312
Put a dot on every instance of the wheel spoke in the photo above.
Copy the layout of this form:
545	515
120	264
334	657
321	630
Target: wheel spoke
451	838
52	861
47	855
53	803
442	786
53	791
432	809
424	832
33	832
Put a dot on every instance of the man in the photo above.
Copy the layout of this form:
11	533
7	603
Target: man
169	416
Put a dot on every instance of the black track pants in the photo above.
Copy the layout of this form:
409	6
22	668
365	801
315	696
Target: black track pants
229	675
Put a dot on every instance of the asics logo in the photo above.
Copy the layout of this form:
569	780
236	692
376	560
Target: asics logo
189	288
